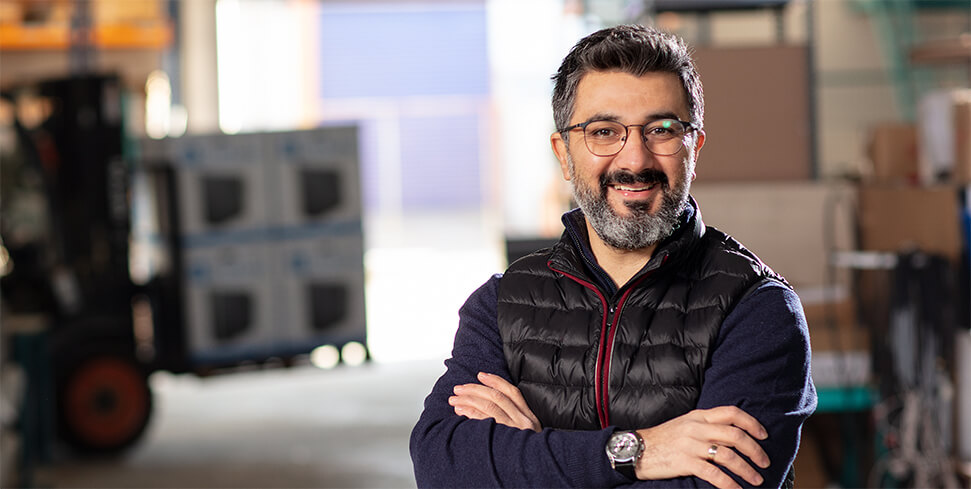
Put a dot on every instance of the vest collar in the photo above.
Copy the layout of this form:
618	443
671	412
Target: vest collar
574	254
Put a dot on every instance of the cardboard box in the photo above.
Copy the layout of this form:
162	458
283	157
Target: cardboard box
785	223
962	138
893	153
32	12
272	226
127	11
321	291
229	294
840	343
11	12
755	131
897	218
833	326
809	467
222	186
316	174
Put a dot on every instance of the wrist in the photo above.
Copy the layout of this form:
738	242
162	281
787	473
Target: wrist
624	450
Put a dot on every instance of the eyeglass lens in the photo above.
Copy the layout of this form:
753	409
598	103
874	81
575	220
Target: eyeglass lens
606	138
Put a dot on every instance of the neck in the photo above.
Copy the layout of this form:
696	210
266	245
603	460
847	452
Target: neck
619	264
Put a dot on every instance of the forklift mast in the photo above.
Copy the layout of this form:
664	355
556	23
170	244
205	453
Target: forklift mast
77	275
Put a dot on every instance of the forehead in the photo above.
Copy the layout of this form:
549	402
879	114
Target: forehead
626	96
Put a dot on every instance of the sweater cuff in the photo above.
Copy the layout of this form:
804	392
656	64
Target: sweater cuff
585	458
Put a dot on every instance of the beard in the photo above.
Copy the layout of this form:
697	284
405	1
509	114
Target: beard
641	228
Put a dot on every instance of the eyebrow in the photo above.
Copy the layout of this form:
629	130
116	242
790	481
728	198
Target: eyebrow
606	116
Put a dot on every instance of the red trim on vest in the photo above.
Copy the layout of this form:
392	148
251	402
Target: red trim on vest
606	346
608	354
599	390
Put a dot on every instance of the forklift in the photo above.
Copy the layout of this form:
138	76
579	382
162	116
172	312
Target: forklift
73	198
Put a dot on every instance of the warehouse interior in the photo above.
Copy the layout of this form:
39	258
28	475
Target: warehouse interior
236	233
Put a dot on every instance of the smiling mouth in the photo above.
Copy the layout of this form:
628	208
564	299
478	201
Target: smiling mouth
634	188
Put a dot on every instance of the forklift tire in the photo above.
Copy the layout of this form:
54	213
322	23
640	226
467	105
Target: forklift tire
104	403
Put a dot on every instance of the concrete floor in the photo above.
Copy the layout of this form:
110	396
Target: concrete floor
305	427
281	428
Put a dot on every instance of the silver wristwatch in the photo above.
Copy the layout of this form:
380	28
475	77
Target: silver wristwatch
624	449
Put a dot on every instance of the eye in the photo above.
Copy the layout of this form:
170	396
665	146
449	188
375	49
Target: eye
604	130
666	128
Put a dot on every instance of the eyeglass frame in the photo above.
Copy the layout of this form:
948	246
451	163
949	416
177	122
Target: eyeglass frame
583	125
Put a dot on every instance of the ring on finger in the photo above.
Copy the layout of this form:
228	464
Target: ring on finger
712	451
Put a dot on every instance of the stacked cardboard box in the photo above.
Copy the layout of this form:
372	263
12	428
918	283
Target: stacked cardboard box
935	149
893	153
911	201
318	239
271	228
795	227
897	218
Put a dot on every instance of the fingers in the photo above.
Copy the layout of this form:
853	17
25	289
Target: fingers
735	416
733	427
486	400
498	400
728	427
729	459
709	444
512	393
734	437
713	475
471	412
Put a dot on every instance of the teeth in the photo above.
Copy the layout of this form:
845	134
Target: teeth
632	189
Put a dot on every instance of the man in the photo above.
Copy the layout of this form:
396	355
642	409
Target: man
642	349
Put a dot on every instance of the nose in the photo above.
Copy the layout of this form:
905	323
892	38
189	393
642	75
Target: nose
634	156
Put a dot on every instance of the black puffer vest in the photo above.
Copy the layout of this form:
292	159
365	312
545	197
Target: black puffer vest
586	360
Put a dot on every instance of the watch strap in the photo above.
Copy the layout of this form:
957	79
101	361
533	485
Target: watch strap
627	469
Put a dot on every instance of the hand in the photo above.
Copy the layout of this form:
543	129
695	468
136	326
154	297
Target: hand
497	399
681	446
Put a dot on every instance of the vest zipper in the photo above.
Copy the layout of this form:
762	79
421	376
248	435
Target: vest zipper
605	351
603	368
604	360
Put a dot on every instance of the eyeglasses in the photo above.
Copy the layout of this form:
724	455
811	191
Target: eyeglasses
663	137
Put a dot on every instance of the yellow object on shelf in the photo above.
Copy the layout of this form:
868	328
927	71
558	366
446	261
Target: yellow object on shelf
20	37
156	35
34	37
114	24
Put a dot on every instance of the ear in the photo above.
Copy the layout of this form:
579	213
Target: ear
699	142
561	151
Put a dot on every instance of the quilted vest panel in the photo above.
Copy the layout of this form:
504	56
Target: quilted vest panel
584	360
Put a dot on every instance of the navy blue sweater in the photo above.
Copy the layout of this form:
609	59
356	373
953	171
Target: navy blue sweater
760	364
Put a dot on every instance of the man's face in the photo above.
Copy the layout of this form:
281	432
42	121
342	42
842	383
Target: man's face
631	199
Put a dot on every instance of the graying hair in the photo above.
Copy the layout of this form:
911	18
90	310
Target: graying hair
632	49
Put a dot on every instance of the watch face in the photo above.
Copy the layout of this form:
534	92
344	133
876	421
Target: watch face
623	446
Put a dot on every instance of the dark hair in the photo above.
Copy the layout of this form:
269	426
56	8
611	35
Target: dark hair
633	49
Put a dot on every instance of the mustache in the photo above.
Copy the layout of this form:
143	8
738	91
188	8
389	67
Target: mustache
648	176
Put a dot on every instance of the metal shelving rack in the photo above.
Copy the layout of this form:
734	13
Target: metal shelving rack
917	63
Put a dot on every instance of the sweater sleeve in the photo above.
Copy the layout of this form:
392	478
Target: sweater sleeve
453	451
761	364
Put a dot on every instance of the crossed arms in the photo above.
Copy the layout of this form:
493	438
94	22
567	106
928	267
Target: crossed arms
755	397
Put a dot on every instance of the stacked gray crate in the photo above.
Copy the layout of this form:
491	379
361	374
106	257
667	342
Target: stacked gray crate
318	241
272	238
223	201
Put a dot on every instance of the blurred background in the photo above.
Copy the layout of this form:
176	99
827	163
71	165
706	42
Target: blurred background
236	233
